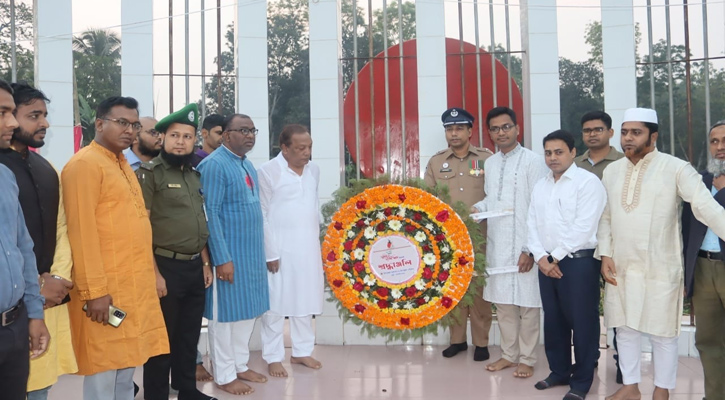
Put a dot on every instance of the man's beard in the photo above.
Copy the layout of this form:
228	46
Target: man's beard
147	151
176	160
27	138
716	167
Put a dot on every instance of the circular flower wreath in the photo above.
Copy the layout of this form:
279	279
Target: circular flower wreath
445	250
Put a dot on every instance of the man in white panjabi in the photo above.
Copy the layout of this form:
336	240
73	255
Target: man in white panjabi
511	175
640	244
290	206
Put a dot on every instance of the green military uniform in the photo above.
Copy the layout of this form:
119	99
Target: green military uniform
598	169
175	199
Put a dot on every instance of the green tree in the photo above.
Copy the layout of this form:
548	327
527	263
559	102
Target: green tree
96	58
226	80
23	42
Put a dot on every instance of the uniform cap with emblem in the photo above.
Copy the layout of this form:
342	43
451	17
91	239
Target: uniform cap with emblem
640	115
457	116
188	115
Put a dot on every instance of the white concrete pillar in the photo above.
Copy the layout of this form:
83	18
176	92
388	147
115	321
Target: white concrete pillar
620	72
541	71
326	94
251	65
54	74
432	88
137	50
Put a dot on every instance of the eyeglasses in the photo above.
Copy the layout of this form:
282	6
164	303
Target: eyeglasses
245	131
505	127
124	123
593	131
153	132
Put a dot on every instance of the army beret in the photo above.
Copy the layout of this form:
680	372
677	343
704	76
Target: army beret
457	116
188	115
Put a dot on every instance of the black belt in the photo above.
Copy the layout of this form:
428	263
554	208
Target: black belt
174	255
582	253
711	255
11	315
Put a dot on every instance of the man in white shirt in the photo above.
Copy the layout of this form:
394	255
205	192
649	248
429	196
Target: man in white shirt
288	187
640	244
562	236
511	175
145	146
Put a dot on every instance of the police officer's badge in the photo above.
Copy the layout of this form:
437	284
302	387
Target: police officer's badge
454	113
191	116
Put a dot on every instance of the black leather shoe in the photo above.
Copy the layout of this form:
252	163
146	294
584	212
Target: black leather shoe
135	389
454	349
194	395
481	354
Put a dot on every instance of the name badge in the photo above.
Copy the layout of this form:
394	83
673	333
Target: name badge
445	170
175	185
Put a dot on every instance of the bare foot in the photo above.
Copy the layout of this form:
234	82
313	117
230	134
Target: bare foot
660	394
308	362
502	363
524	371
202	375
626	392
277	370
252	376
237	387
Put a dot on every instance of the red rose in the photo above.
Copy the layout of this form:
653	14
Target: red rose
443	276
383	292
446	302
360	204
348	245
411	291
359	266
442	216
401	197
440	237
381	227
359	308
338	226
462	260
417	216
409	228
358	286
360	223
420	301
405	321
346	267
388	212
427	273
331	256
337	283
383	303
426	248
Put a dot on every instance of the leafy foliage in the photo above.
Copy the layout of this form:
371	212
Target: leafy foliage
23	40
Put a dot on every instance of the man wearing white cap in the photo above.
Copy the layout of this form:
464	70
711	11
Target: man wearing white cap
640	245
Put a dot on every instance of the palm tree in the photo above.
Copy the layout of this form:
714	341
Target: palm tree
98	42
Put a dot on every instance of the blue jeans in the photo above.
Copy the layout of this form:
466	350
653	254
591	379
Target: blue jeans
40	394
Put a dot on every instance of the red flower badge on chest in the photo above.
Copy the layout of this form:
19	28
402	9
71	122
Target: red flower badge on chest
250	183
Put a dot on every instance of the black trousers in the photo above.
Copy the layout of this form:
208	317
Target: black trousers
182	308
15	358
571	304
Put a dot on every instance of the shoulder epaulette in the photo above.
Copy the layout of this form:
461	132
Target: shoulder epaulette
149	166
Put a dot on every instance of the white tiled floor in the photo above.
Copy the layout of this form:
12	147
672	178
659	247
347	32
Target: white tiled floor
419	372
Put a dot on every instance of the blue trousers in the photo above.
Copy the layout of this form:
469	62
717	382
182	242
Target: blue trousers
571	306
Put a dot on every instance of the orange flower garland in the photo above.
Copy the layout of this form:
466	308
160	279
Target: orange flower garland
439	276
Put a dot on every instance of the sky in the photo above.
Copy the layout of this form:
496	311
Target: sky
572	19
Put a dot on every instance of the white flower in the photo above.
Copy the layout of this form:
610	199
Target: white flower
445	249
395	225
380	215
420	236
429	227
408	306
429	259
348	275
350	234
396	306
437	287
419	284
396	293
426	298
345	256
358	254
370	233
364	295
369	280
446	266
401	212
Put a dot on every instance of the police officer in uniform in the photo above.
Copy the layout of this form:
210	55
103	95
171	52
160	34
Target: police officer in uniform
460	167
173	195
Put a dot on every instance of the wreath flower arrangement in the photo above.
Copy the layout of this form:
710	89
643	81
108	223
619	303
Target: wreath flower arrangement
398	259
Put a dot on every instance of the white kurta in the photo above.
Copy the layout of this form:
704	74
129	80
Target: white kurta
641	231
290	206
510	180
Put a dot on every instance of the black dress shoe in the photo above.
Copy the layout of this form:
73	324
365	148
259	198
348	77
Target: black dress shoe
481	354
194	395
454	349
135	389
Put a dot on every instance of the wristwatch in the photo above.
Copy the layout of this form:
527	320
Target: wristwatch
551	259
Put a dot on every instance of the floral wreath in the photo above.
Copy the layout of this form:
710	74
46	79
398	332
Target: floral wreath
436	277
